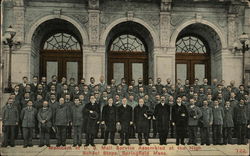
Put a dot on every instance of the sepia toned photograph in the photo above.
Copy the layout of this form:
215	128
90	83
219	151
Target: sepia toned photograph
124	77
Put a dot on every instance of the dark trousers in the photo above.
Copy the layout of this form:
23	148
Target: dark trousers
69	132
163	137
106	136
154	128
227	135
171	126
45	135
205	135
27	135
145	137
132	131
90	138
217	133
192	133
77	137
124	136
61	135
241	133
9	135
180	134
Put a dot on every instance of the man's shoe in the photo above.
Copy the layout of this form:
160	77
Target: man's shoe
40	145
12	145
25	146
3	145
30	145
86	145
58	145
112	143
79	145
48	145
140	143
104	143
92	144
74	145
127	143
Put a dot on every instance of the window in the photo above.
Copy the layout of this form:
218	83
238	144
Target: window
190	44
127	43
61	41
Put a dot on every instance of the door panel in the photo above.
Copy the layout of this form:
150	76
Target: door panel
137	71
72	70
199	72
51	68
118	71
182	71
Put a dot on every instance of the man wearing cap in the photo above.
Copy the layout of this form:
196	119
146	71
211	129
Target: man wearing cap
61	121
142	120
28	117
125	120
10	121
44	117
92	111
77	121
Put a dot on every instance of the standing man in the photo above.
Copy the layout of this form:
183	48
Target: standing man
218	115
180	120
77	120
240	118
10	122
109	119
228	123
44	118
125	120
206	123
92	111
142	121
193	118
28	117
161	113
61	121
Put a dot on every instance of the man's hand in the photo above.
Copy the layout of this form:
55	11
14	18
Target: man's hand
248	126
154	118
103	122
173	124
145	115
195	117
16	123
98	122
149	117
91	111
210	123
118	123
43	121
131	122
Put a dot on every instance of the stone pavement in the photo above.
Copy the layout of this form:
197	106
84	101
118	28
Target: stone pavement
134	149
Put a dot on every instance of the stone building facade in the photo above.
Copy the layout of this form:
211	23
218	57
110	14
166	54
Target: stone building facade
95	24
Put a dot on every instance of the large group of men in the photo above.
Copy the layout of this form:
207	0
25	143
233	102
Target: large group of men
61	110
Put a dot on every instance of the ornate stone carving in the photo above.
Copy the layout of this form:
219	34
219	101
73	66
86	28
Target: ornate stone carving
130	15
93	4
166	5
94	27
165	28
232	29
19	23
176	20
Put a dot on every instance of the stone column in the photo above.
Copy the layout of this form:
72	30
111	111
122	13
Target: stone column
93	54
164	56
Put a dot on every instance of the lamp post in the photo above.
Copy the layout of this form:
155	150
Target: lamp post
243	39
8	40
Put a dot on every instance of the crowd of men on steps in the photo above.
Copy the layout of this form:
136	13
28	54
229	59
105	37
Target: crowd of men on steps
65	109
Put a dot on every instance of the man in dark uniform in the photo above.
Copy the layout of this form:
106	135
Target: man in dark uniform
109	119
92	111
180	120
77	121
142	121
228	123
124	118
10	121
61	121
162	115
218	115
44	118
28	117
240	119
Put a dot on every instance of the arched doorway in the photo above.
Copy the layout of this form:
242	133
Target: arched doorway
57	45
128	52
61	55
196	47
